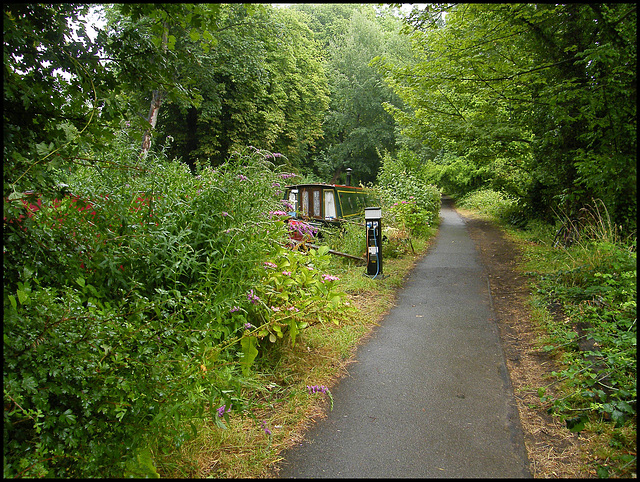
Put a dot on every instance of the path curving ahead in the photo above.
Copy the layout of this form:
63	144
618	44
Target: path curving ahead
429	394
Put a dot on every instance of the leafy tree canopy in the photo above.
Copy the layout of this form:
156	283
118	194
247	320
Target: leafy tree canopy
65	93
263	85
546	90
356	126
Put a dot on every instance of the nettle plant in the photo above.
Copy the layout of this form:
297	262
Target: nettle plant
128	314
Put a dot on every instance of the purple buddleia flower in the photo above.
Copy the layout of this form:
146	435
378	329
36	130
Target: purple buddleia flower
252	297
317	389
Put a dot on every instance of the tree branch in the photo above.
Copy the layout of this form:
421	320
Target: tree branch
452	104
517	74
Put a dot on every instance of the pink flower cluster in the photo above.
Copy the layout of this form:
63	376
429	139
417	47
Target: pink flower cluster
328	277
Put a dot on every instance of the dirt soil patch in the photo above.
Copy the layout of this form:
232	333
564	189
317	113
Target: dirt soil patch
553	450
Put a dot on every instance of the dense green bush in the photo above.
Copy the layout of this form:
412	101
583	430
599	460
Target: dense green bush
493	203
412	218
411	203
136	306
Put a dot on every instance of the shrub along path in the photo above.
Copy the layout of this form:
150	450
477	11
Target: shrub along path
430	395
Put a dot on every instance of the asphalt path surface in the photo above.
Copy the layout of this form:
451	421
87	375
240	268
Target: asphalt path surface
429	394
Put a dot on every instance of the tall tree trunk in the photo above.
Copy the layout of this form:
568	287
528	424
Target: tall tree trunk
156	102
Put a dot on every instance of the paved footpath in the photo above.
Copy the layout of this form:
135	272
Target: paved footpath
429	395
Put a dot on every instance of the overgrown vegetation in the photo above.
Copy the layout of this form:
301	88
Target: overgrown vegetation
136	307
590	291
412	202
489	202
146	289
285	403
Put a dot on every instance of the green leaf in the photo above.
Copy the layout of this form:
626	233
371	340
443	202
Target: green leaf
335	301
43	149
249	352
220	423
142	466
576	424
23	297
171	42
293	331
68	417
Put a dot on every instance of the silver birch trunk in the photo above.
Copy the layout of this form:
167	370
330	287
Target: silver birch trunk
156	102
